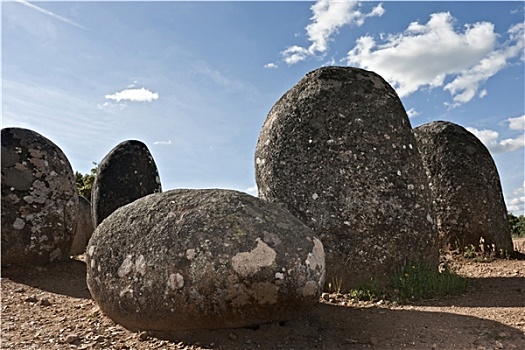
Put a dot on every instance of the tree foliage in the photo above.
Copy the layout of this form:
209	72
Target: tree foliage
517	225
85	182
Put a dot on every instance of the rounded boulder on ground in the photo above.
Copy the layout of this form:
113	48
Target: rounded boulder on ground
39	199
84	228
203	259
466	188
337	151
126	173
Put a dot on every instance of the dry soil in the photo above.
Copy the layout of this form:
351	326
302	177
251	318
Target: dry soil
50	307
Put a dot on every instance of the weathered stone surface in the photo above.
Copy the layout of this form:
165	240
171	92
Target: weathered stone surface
126	173
39	199
203	259
466	187
84	228
338	152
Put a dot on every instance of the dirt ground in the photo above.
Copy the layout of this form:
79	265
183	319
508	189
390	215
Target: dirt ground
50	308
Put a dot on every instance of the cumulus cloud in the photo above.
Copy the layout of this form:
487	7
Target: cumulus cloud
271	66
516	202
134	95
412	113
424	55
490	139
328	17
162	142
252	190
517	123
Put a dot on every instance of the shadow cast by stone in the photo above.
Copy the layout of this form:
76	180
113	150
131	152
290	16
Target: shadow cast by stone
65	277
485	292
323	326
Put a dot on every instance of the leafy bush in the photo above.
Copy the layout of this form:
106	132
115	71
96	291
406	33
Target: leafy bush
517	225
414	282
85	182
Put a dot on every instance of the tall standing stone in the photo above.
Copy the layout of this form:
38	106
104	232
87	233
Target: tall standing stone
84	228
466	187
128	172
338	152
39	199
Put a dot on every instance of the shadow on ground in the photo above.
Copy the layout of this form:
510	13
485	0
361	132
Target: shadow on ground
335	327
66	277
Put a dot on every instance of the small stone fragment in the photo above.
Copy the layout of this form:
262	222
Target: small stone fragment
499	345
71	338
232	336
31	299
373	341
143	336
45	302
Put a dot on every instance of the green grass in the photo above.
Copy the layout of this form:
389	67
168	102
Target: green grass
414	282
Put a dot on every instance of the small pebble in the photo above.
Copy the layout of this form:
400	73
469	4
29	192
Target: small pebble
143	336
499	345
31	299
232	336
45	302
71	338
373	341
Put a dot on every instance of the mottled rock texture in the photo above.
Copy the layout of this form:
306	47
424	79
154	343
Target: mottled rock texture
39	199
203	259
338	152
84	228
466	187
126	173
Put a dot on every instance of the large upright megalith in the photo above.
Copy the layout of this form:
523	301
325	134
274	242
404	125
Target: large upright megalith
470	208
39	199
128	172
338	152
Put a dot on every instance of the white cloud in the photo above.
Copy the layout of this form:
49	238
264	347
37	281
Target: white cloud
328	17
162	142
49	13
252	190
412	113
135	95
516	202
271	65
425	54
517	123
490	139
483	93
110	105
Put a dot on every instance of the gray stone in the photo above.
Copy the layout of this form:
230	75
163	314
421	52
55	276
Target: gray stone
203	259
126	173
39	199
338	152
84	228
466	187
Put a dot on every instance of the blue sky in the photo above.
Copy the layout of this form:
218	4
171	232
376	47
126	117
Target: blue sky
195	80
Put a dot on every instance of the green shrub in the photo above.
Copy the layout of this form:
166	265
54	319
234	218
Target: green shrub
419	281
414	282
